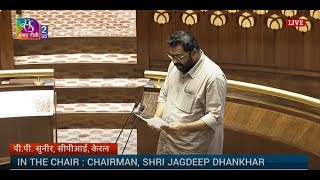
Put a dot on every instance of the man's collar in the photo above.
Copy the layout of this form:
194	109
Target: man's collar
194	70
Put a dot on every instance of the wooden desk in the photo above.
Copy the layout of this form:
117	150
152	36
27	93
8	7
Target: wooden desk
147	139
28	114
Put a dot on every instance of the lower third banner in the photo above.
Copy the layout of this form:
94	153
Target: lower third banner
267	162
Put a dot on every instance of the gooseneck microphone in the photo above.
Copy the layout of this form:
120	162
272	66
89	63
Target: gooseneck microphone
124	125
141	108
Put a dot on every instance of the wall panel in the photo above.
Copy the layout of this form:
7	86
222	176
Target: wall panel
282	51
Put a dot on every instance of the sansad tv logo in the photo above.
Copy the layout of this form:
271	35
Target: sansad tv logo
30	29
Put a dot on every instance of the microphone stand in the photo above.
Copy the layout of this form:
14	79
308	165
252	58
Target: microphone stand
135	106
141	108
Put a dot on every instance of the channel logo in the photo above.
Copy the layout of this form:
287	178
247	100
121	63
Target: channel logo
30	29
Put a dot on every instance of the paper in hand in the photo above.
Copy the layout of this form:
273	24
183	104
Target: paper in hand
155	122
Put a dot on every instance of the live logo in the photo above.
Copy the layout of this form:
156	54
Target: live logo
295	22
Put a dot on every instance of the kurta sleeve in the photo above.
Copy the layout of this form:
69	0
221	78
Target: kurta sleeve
214	102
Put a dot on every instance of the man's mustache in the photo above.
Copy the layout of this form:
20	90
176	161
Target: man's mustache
179	65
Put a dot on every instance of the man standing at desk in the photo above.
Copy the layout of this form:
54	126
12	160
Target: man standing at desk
191	100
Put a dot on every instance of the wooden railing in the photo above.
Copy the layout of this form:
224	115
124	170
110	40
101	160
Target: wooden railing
275	92
27	73
159	75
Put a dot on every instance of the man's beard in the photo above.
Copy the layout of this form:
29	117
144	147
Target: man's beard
184	68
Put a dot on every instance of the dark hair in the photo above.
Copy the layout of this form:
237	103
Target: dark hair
185	39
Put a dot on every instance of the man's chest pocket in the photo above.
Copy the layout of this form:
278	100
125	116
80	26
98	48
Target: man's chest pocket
185	102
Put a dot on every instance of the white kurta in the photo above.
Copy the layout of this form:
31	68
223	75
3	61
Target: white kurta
198	94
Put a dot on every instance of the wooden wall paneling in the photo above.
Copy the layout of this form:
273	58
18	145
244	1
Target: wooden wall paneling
231	43
318	45
167	30
155	39
310	43
200	30
296	43
6	40
143	46
160	65
213	40
253	54
268	42
240	40
158	41
179	24
0	40
226	40
281	46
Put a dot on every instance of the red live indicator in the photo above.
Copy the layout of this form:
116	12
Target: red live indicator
295	22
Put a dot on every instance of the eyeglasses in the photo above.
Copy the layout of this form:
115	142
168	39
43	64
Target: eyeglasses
177	57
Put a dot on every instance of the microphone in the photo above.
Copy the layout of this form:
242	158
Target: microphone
141	108
134	107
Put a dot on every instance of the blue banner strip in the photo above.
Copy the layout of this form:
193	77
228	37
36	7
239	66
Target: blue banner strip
270	162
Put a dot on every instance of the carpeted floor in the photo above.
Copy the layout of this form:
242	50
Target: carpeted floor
100	136
110	82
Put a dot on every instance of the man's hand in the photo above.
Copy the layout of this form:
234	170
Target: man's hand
178	127
153	128
175	128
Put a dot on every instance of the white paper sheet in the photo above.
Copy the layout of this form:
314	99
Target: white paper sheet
155	122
